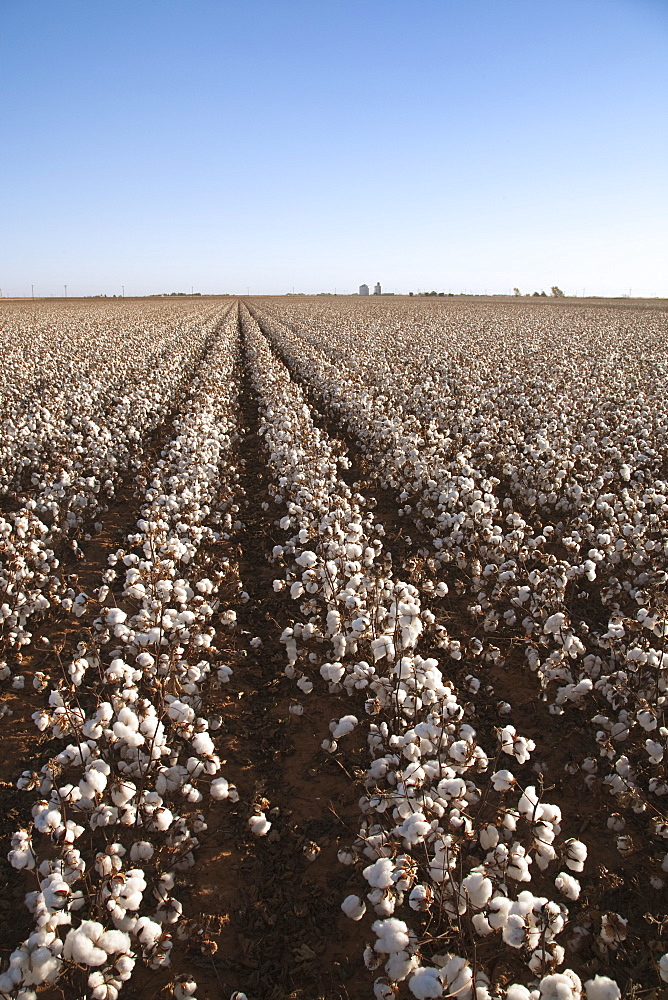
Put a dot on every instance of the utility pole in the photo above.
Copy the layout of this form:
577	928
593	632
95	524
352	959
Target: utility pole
65	287
123	290
191	289
32	291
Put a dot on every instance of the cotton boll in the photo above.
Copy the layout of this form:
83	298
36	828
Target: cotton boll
147	932
141	850
353	907
219	789
517	992
114	942
392	935
663	968
613	928
489	837
399	966
259	825
478	889
503	781
186	988
575	855
561	986
344	726
379	875
80	947
602	988
426	983
567	885
162	818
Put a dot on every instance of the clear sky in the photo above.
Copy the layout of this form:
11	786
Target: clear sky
229	145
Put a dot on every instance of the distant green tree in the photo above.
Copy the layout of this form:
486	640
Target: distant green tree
544	294
516	291
536	295
557	292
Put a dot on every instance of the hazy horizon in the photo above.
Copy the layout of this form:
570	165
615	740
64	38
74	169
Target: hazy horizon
462	148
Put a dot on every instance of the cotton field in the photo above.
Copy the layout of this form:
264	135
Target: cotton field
334	649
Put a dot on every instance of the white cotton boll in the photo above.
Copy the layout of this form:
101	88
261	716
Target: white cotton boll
115	616
186	988
529	805
655	751
663	967
345	725
392	935
414	829
123	792
561	986
79	946
379	875
107	991
503	781
382	990
296	709
489	837
602	988
517	992
259	825
141	850
219	788
613	928
575	855
478	888
420	898
426	983
147	932
568	885
162	818
353	907
203	745
555	623
399	965
114	942
481	924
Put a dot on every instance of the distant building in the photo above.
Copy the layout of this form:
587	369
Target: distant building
376	289
364	289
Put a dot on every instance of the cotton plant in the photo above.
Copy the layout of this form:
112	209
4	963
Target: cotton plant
113	775
527	569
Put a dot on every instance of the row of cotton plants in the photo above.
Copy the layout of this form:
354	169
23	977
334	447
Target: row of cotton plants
81	444
527	573
121	806
513	577
68	371
448	831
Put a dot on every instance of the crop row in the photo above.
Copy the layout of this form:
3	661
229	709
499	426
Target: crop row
463	507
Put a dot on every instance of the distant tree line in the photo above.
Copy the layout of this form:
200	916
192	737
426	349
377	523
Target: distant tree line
555	292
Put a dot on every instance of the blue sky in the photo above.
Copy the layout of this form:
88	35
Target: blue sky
270	144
